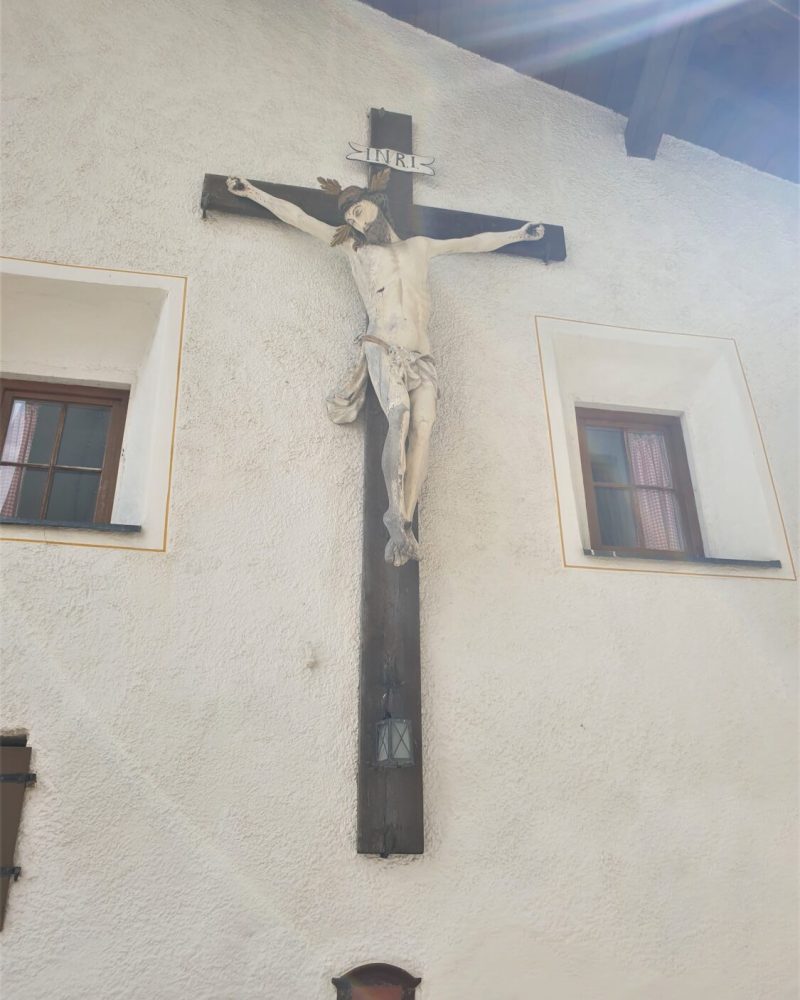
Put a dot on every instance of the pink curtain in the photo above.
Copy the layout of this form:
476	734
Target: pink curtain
659	513
21	428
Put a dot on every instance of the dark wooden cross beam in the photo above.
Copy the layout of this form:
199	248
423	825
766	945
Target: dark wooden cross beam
413	220
390	816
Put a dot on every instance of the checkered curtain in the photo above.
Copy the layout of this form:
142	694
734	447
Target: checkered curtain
21	428
659	515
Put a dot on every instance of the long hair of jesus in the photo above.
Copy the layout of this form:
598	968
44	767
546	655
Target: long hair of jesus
350	195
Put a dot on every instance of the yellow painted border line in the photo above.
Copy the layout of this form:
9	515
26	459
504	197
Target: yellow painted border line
175	415
93	267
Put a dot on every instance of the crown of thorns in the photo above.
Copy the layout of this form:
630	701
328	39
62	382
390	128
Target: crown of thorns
350	195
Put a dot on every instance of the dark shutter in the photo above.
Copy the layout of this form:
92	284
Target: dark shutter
15	776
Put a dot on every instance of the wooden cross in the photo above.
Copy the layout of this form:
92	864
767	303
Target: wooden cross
390	808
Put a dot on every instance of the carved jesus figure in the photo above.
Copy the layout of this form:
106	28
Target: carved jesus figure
392	278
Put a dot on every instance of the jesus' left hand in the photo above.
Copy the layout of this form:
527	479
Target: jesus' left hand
531	231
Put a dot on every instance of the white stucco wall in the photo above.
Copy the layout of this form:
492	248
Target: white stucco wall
610	757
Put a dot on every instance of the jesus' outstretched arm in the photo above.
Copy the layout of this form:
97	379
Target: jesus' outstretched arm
284	210
485	242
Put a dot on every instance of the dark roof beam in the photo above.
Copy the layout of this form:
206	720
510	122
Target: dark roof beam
653	102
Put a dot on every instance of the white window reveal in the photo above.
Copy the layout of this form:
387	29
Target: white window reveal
90	369
659	462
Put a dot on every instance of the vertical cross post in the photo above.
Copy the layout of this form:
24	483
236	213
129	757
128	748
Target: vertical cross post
390	813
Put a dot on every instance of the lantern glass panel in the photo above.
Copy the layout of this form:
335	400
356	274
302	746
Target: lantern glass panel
401	741
395	746
383	741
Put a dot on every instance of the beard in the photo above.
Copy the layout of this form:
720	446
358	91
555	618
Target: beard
378	231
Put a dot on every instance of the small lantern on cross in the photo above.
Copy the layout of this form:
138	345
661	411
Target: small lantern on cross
395	748
395	740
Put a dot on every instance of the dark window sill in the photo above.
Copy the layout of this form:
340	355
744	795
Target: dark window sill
675	557
32	522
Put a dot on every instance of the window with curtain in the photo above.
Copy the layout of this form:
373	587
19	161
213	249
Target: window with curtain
60	452
639	495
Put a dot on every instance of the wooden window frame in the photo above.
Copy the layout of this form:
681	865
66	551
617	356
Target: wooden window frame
70	393
682	489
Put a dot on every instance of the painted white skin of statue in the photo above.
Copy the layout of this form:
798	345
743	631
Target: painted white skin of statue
392	278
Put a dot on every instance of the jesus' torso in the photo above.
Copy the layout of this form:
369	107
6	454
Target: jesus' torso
392	280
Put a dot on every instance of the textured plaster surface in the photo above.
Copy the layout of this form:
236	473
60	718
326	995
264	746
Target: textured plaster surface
610	757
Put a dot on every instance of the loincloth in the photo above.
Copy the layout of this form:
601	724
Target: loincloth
406	371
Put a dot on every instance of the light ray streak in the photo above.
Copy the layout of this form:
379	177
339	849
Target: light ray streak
588	30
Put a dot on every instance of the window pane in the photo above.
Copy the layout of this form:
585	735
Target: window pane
660	520
607	454
649	458
615	514
31	432
21	491
73	496
84	439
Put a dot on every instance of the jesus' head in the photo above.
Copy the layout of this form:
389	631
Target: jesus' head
367	215
365	211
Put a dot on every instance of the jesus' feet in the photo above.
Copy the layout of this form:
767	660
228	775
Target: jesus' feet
402	545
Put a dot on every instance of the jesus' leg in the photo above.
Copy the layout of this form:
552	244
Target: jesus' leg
391	392
401	545
423	414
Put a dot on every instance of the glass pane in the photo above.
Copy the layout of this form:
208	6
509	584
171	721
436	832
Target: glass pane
383	741
607	454
401	750
378	993
21	491
84	439
615	514
649	458
660	520
73	496
31	432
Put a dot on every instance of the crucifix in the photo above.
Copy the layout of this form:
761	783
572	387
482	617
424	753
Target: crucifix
389	242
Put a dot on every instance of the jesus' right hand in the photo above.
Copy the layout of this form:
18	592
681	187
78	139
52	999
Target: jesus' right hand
239	187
